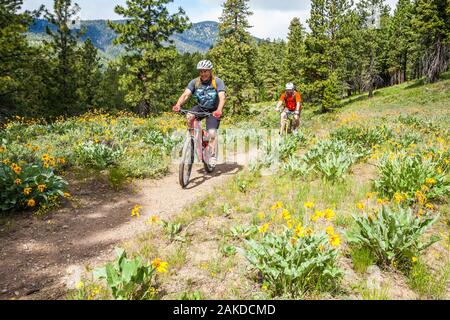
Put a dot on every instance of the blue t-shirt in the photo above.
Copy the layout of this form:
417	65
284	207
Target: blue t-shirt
205	94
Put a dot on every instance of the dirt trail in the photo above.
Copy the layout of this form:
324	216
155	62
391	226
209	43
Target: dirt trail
39	257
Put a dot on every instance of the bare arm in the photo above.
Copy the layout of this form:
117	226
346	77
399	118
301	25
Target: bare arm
184	98
279	104
222	100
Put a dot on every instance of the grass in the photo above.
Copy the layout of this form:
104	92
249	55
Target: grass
377	294
429	284
362	259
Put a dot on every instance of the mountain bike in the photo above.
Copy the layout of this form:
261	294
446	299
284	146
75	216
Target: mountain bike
196	144
289	124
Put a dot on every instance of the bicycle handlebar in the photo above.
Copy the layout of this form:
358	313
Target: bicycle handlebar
288	112
196	113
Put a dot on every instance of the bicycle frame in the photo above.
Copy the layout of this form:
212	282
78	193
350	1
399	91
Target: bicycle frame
201	141
288	122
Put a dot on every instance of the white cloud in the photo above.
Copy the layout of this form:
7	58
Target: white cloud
274	24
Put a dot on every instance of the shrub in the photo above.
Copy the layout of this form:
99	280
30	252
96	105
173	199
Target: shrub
130	279
28	185
292	266
289	145
392	237
408	174
332	158
296	167
98	155
364	138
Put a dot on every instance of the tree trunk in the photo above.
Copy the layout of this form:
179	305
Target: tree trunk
438	62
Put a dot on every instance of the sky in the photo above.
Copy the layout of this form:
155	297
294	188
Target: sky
270	18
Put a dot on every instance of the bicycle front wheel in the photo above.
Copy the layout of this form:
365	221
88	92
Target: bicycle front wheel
186	163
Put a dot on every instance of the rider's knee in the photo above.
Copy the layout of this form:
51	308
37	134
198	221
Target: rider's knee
212	133
190	118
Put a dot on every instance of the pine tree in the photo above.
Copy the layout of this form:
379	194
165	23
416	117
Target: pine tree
431	23
234	53
89	74
295	55
64	46
144	34
270	69
324	63
109	95
400	41
15	54
373	15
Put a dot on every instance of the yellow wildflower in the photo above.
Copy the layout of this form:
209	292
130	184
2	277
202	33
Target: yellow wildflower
27	191
309	231
261	215
6	161
18	182
159	265
322	248
414	259
277	205
361	205
46	165
289	224
286	215
398	198
17	169
135	212
66	195
421	198
329	214
45	158
309	205
425	188
42	187
330	230
429	206
431	181
320	214
420	213
2	149
263	228
300	231
370	195
335	240
31	203
79	285
153	220
294	241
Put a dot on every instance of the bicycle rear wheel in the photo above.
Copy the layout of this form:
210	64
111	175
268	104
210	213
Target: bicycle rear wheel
186	163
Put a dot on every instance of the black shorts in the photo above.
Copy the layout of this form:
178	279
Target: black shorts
211	121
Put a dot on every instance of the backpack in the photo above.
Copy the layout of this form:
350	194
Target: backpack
198	83
286	97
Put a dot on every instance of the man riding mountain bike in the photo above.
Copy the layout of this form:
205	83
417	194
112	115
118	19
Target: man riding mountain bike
210	94
292	101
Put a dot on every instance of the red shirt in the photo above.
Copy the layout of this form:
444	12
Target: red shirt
291	101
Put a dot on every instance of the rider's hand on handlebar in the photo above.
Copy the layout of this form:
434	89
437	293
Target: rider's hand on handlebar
217	114
176	108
